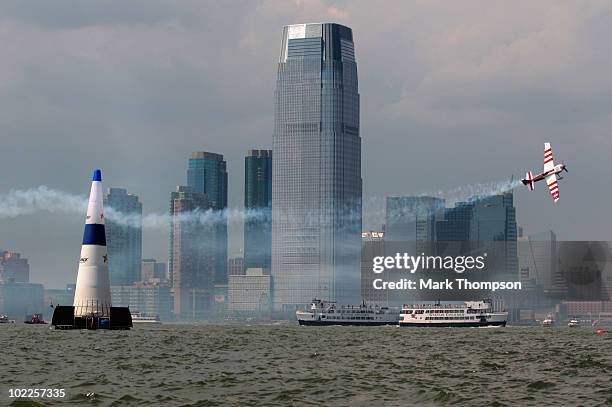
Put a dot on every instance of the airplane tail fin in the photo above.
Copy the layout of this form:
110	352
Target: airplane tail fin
529	180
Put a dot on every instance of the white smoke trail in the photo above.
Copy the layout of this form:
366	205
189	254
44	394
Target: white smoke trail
162	220
32	200
474	192
374	208
39	199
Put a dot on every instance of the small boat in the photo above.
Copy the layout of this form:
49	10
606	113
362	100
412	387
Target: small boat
4	319
573	323
141	318
34	319
548	321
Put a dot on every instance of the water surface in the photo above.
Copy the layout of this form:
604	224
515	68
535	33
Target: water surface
207	365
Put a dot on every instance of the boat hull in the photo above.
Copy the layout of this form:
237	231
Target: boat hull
345	323
470	324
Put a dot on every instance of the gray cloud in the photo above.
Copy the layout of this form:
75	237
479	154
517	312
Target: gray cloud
453	93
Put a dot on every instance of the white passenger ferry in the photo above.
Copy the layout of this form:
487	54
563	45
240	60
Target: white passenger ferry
142	318
468	314
330	313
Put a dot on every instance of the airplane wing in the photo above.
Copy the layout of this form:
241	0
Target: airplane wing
551	180
549	164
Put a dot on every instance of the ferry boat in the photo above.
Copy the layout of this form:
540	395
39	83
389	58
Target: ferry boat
468	314
573	323
141	318
330	313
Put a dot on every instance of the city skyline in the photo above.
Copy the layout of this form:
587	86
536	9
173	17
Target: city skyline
410	107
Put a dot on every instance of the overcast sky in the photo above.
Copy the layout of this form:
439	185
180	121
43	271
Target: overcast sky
452	93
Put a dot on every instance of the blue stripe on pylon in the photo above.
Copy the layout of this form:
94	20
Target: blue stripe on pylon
94	234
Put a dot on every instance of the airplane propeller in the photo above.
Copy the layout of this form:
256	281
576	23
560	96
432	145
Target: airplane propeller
565	167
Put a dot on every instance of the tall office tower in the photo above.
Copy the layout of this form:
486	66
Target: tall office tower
124	240
207	174
191	260
316	182
412	218
258	204
494	220
13	268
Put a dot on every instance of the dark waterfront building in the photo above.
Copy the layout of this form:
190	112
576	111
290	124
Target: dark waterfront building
258	204
191	257
207	175
316	194
124	240
456	223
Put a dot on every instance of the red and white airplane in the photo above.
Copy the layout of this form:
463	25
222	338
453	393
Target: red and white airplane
550	174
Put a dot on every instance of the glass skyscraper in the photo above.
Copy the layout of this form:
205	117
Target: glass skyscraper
191	257
494	220
258	203
124	240
455	226
207	175
489	224
316	183
412	218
